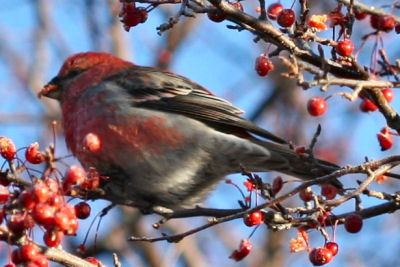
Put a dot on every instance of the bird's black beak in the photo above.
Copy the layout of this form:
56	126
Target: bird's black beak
52	90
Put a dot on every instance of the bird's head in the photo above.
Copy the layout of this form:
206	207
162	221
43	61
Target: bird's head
75	66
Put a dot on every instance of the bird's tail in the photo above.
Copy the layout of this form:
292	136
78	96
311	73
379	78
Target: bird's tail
285	160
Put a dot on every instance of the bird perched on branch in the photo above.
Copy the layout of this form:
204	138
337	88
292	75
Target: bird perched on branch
165	140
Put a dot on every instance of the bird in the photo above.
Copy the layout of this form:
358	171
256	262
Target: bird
166	141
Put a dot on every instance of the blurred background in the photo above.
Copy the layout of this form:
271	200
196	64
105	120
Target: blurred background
36	36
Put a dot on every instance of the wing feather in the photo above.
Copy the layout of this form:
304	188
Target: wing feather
162	90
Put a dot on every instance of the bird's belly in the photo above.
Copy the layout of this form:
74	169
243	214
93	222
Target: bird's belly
149	158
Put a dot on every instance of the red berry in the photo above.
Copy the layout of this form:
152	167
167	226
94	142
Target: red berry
374	20
62	220
65	219
44	214
249	185
93	260
286	18
367	105
73	227
52	237
274	10
359	15
10	265
4	194
244	249
387	23
385	139
82	210
7	148
345	48
305	195
216	15
383	23
28	252
41	260
16	256
353	223
69	210
333	247
263	65
320	256
92	142
277	185
388	94
316	106
41	192
17	223
26	199
329	191
75	176
254	218
32	154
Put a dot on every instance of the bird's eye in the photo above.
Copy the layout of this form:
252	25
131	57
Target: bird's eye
73	73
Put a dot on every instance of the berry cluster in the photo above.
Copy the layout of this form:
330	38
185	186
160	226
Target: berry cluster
318	221
28	254
368	106
322	255
284	17
41	201
317	106
254	218
131	15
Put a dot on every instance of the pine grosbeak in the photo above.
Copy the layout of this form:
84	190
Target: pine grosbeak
165	140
